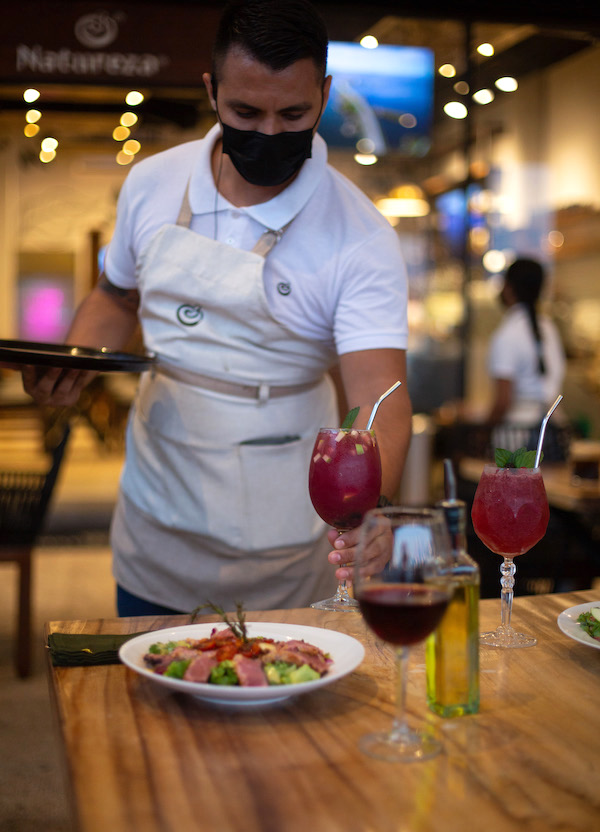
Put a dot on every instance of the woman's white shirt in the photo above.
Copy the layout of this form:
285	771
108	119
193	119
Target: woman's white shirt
513	355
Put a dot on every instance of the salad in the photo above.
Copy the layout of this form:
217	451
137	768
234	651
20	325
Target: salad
590	622
230	657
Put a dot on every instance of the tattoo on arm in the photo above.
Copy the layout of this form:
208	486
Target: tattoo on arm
130	297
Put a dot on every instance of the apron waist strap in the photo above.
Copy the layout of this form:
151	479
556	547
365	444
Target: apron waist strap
261	392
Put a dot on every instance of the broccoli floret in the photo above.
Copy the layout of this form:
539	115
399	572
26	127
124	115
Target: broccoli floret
282	673
177	668
224	674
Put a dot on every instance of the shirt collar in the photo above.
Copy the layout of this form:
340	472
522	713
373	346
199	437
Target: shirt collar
275	213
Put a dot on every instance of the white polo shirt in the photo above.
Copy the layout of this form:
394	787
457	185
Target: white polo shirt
513	355
337	274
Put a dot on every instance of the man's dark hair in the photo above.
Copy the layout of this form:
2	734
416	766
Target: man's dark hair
275	32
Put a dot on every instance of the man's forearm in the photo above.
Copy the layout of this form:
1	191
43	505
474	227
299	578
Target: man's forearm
393	435
366	376
104	319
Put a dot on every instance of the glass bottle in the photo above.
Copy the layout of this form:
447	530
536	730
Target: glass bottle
452	651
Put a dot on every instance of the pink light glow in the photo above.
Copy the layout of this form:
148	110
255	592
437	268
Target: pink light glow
43	312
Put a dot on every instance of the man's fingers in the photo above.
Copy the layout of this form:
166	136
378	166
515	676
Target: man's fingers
55	386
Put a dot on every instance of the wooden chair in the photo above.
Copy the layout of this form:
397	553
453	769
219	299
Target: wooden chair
24	501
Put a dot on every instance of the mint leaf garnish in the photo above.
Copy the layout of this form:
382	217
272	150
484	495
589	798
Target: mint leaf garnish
521	458
524	458
349	420
502	457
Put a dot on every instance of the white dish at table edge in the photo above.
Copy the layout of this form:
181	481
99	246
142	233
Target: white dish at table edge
347	653
567	622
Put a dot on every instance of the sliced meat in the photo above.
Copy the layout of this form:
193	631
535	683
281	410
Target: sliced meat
180	653
200	668
280	654
158	663
308	654
250	672
223	635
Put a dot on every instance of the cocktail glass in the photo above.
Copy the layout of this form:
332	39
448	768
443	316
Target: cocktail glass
344	482
510	515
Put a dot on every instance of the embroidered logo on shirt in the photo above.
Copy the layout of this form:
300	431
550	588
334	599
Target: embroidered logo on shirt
284	288
189	315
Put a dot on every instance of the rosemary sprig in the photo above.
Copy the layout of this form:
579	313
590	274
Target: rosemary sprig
238	628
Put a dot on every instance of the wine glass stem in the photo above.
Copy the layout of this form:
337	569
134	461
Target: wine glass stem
400	729
341	593
507	582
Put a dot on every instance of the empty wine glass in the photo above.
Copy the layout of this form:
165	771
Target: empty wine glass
402	580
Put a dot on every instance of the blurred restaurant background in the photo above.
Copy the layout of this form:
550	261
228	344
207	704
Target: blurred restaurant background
476	135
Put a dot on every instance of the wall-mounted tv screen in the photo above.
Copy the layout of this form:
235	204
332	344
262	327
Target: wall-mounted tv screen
383	96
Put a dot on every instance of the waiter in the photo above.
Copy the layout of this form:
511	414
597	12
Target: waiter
253	267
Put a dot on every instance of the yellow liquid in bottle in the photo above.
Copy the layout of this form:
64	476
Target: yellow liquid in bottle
452	653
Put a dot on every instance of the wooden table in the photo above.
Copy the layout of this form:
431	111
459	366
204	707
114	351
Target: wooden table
141	759
583	498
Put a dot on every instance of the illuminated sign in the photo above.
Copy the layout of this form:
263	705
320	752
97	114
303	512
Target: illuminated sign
78	42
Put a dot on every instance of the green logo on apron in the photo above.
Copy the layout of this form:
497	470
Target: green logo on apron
284	288
189	315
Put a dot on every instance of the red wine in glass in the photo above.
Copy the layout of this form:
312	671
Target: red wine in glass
403	614
344	482
403	584
510	514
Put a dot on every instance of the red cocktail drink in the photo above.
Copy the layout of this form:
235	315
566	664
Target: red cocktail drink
510	515
510	510
344	482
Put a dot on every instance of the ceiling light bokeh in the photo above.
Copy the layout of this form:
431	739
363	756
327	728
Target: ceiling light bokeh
507	84
447	71
365	158
484	96
456	109
128	119
133	98
404	201
369	42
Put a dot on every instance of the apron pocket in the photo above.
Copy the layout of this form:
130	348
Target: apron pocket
251	496
190	488
274	481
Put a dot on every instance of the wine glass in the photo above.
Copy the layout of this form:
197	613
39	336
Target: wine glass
344	482
402	580
510	515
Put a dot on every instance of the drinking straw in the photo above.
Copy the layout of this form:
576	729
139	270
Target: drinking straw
449	481
378	402
543	430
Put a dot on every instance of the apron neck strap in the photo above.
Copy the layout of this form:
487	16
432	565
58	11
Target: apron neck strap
185	212
264	243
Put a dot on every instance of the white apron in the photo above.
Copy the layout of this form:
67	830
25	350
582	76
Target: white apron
214	497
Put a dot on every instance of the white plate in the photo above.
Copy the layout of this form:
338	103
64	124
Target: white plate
347	653
567	622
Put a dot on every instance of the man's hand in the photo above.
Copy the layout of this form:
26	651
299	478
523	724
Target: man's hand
106	318
55	386
345	549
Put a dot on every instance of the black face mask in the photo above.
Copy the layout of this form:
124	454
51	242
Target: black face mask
264	159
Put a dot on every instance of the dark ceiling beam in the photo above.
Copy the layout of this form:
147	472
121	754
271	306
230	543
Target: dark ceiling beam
183	114
576	15
533	54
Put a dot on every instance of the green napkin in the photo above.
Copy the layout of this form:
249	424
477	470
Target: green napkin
72	649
